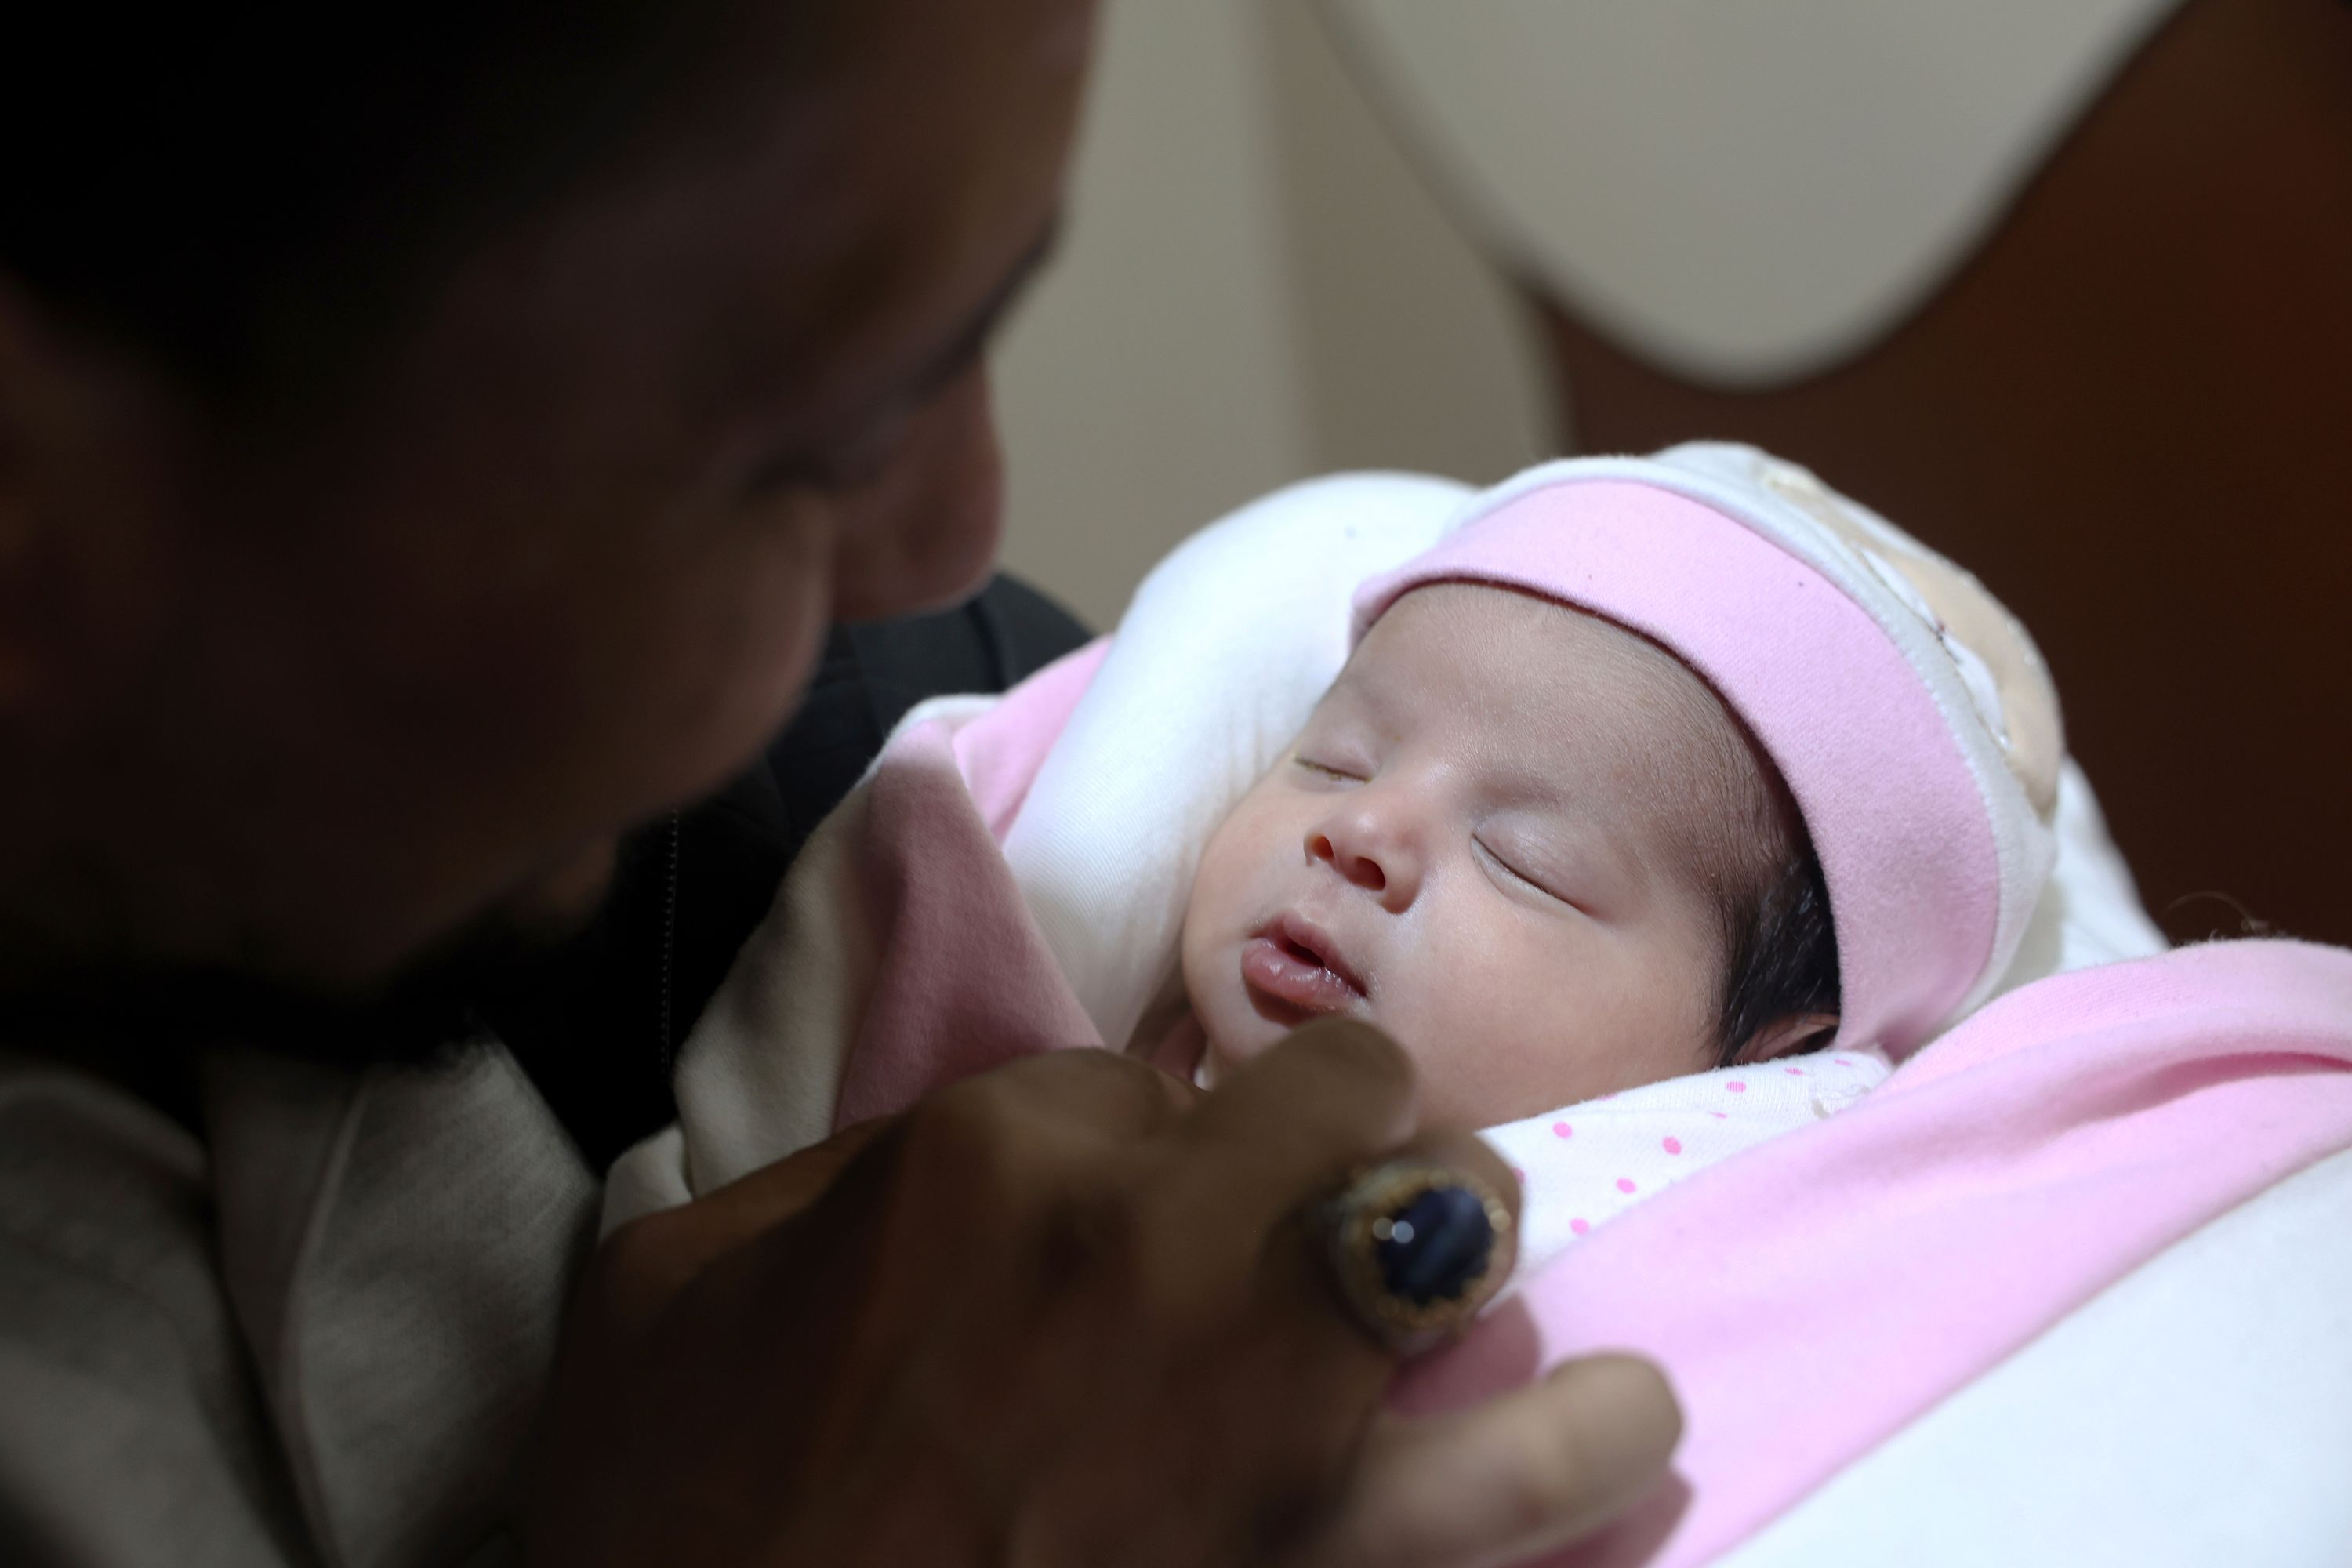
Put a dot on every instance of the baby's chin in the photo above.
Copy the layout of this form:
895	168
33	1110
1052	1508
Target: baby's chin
1228	1046
1238	1025
1220	1061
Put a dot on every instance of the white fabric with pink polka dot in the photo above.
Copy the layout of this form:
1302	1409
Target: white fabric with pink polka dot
1583	1165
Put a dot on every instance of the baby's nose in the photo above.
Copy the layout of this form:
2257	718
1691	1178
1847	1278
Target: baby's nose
1372	851
1363	870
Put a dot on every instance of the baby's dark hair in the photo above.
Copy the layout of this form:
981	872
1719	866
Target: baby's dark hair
1771	902
1780	957
1738	832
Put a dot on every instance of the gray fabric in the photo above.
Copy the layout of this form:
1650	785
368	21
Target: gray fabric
322	1345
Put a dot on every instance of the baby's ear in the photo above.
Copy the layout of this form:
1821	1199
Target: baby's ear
1787	1036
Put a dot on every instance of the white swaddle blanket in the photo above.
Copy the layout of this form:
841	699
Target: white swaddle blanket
1584	1164
1226	647
1224	650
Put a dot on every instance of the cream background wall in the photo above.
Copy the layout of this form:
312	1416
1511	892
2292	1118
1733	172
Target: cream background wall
1254	286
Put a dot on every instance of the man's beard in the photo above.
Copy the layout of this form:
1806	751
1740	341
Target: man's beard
423	1015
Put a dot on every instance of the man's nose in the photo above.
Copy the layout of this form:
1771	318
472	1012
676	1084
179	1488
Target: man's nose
923	533
1369	842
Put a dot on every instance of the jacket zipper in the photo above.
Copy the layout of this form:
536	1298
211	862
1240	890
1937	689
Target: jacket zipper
668	942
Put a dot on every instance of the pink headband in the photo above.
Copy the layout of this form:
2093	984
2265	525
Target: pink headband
1889	792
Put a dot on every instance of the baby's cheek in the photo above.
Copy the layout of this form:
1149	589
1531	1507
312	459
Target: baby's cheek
1212	971
1503	1028
1192	960
1452	1010
1477	974
1218	879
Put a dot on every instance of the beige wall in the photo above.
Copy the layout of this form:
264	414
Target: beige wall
1254	286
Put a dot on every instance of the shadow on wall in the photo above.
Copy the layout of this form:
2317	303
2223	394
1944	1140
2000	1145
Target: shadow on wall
1255	286
1413	351
2127	413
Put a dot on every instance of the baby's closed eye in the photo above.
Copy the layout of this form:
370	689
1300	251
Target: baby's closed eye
1334	770
1527	865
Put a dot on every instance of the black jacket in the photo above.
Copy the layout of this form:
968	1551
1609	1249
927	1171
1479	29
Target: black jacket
598	1023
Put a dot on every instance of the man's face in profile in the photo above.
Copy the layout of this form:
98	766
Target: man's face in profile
562	558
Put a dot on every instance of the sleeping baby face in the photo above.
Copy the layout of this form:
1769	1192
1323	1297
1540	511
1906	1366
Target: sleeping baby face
1502	837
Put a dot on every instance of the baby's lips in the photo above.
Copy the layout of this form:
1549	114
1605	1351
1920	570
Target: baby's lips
1271	969
1310	942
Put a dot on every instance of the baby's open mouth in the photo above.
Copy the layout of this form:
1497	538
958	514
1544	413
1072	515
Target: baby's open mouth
1293	963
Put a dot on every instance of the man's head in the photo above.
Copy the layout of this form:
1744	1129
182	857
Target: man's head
368	568
1531	846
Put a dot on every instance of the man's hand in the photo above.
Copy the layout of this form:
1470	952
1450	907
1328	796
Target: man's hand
1061	1313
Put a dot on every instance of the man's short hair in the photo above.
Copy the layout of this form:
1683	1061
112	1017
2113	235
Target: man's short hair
243	195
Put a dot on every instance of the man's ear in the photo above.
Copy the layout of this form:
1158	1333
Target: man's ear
89	456
17	664
1787	1036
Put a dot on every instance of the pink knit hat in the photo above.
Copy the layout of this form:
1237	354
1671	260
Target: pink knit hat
1910	714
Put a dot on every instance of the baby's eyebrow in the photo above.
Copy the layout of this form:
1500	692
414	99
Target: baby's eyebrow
1348	690
1620	835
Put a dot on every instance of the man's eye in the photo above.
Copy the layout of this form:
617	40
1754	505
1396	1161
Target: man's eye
845	465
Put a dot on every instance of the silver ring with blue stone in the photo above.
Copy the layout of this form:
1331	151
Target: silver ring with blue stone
1415	1251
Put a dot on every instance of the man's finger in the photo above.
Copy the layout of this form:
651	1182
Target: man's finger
1528	1471
645	1262
1290	1125
1102	1092
774	1194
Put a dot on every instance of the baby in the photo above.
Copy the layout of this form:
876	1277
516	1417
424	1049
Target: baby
1542	829
1615	785
1536	850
